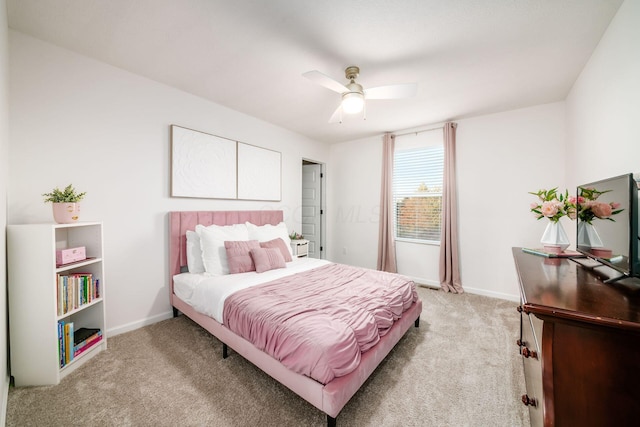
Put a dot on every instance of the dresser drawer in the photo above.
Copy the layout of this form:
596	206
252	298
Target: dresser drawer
530	349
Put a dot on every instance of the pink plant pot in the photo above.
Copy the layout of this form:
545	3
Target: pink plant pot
66	213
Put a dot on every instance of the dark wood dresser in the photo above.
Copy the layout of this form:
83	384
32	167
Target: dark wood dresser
579	343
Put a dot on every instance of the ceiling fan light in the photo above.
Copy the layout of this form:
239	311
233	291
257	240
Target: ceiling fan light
352	102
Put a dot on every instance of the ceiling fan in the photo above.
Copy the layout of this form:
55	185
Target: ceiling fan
354	95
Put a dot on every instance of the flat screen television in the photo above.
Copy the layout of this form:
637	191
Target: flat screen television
607	223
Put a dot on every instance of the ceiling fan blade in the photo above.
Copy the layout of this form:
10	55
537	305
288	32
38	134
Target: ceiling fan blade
406	90
326	81
336	117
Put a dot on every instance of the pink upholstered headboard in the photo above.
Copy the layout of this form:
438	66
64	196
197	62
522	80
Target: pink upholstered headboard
180	222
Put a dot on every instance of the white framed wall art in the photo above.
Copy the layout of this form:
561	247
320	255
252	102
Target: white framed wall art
209	166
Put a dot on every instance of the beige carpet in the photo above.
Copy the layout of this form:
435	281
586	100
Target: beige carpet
459	368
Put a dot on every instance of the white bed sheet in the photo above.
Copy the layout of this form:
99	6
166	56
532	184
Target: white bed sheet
206	294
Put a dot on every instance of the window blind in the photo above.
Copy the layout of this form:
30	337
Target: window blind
417	190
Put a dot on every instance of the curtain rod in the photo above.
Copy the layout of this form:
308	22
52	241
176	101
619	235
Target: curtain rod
420	131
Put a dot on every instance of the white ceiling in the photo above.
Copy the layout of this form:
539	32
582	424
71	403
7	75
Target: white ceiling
469	57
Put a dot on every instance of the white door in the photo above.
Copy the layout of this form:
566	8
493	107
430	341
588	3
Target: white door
311	208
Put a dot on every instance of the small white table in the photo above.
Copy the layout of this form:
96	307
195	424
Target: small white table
300	248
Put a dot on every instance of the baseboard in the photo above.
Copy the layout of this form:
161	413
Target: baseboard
492	294
500	295
138	324
424	282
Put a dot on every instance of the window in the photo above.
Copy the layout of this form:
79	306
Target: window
417	186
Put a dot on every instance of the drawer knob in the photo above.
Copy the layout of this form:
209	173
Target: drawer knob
529	401
529	353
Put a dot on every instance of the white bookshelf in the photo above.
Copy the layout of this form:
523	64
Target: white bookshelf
33	297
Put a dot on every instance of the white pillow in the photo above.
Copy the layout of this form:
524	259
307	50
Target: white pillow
212	238
194	253
264	233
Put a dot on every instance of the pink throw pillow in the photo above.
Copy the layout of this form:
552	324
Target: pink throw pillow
279	244
239	257
266	259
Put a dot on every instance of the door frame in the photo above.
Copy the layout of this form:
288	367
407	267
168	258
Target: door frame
323	203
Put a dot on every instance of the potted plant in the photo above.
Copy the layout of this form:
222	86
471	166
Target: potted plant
296	236
66	209
553	205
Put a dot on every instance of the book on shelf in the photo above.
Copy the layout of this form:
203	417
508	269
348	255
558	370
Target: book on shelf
61	350
88	345
75	290
67	342
83	334
72	343
86	337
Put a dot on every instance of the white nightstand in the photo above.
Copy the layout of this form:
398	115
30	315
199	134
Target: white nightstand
300	248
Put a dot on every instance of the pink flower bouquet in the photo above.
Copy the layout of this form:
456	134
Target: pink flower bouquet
588	207
551	204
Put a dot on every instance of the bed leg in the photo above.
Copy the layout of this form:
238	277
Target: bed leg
175	312
331	422
225	351
417	322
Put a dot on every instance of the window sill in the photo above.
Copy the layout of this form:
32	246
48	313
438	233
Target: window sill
419	242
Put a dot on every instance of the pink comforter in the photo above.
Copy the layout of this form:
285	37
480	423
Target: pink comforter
317	323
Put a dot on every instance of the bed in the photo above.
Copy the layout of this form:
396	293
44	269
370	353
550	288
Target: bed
329	397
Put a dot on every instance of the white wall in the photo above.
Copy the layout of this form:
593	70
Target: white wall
500	158
4	165
353	180
76	120
603	107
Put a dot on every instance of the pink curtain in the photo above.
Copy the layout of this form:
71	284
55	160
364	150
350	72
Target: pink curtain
386	240
449	261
